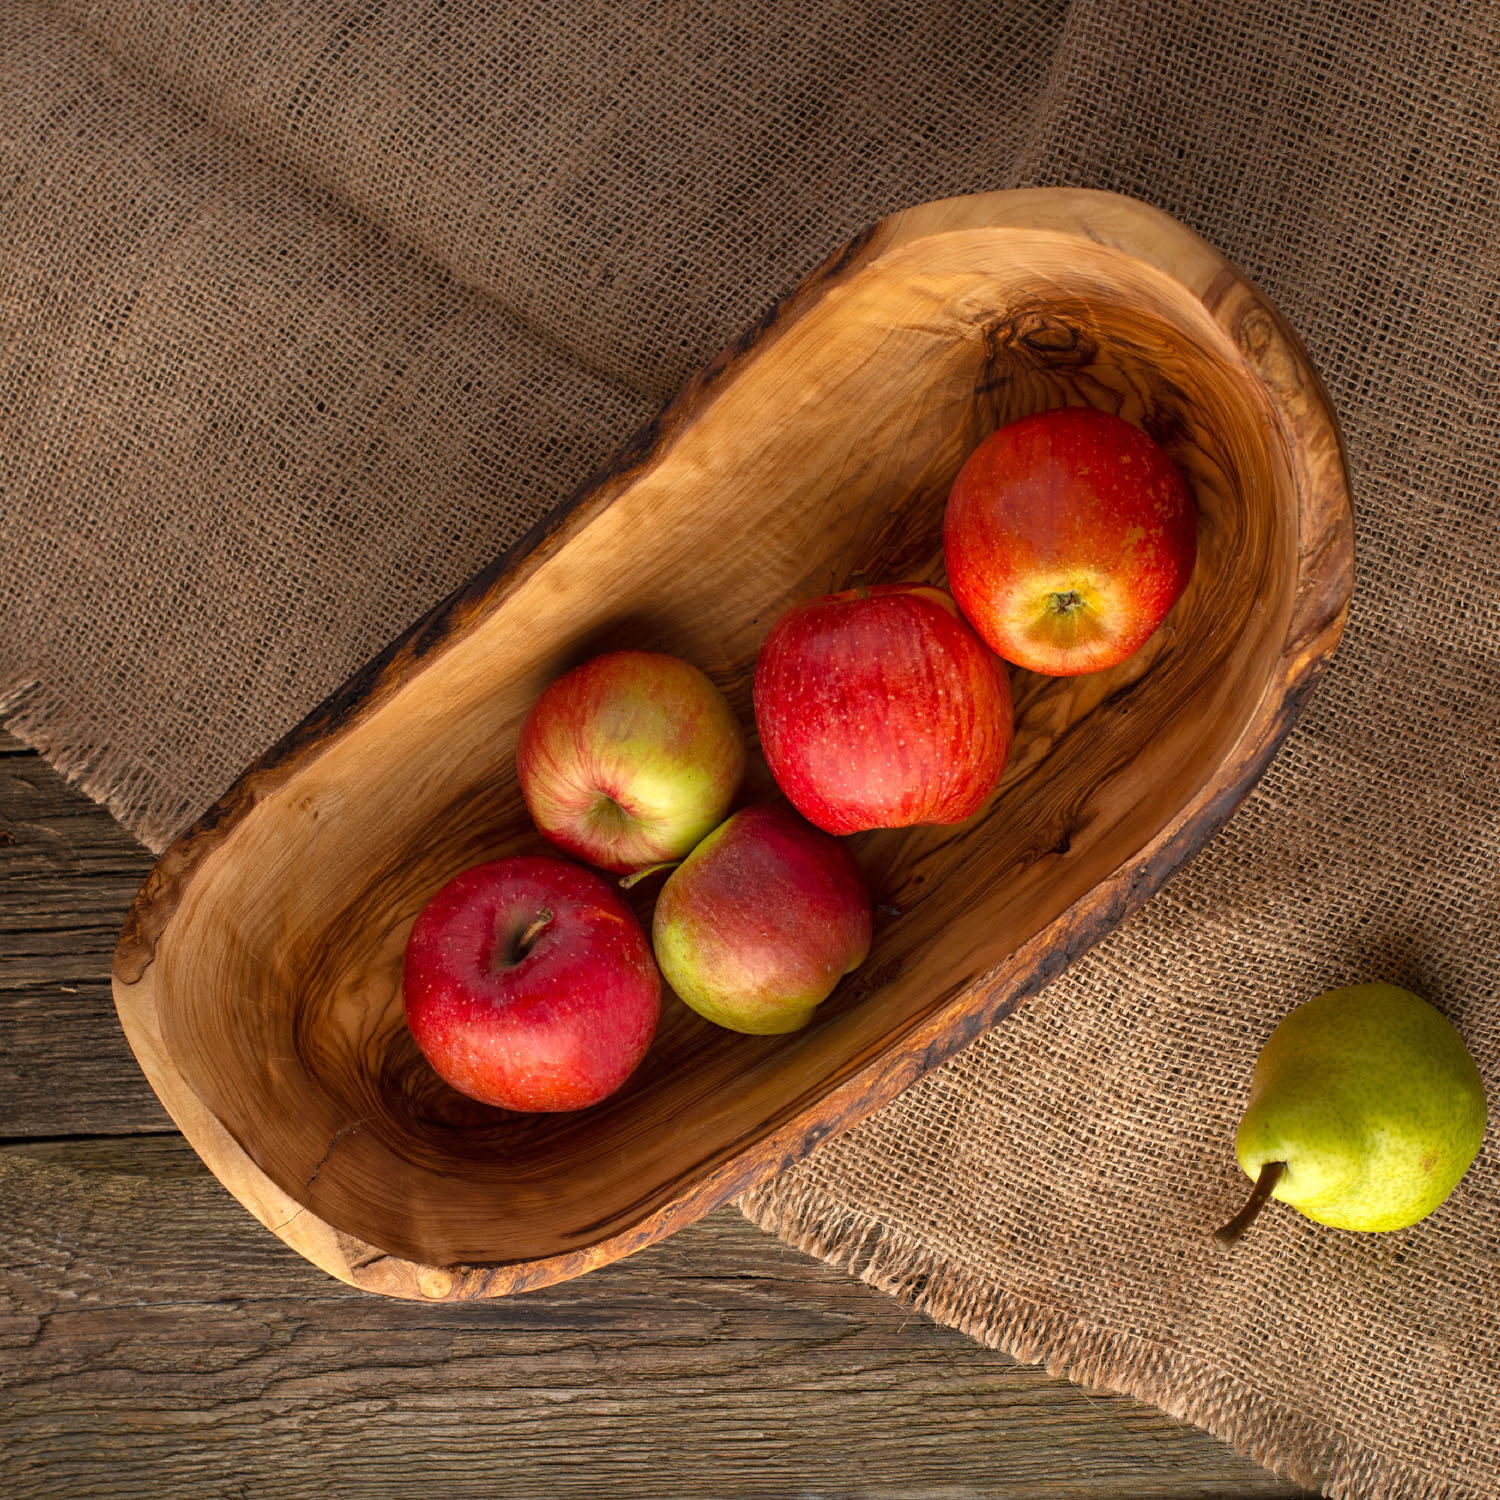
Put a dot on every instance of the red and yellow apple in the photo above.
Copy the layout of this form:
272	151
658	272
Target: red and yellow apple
759	923
880	708
1068	536
629	760
529	984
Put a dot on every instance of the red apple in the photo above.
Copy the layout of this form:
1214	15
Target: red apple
759	923
629	759
879	708
529	984
1068	536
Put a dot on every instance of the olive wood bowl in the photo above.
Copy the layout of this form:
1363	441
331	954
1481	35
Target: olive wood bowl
258	973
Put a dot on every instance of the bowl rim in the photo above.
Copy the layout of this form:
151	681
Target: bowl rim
1324	586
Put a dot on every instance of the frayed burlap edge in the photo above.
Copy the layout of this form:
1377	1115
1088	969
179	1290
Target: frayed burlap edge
957	1295
40	718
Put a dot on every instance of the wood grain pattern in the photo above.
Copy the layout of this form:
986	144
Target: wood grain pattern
155	1341
150	1344
257	978
69	871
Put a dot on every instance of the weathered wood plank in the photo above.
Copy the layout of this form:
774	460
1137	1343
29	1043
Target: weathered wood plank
68	873
156	1340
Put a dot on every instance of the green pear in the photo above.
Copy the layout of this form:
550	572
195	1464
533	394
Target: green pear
1365	1111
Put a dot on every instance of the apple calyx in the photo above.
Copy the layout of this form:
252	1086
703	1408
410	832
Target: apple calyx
1067	616
1260	1195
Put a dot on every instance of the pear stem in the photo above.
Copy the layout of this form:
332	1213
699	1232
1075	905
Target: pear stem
628	881
1260	1195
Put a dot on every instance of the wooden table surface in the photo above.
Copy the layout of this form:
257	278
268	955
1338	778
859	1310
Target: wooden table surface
155	1340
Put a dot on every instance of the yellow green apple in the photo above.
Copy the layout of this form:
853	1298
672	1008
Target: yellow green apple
758	924
629	760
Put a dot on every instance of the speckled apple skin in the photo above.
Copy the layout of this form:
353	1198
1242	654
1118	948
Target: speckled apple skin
881	709
1076	502
559	1028
629	760
760	922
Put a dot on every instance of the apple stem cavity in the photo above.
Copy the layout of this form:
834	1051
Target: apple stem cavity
607	807
1260	1195
532	933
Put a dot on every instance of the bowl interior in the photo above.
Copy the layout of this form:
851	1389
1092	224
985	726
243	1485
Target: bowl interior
829	452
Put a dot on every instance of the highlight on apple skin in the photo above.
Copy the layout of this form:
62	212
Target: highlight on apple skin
629	760
760	922
530	985
880	708
1068	536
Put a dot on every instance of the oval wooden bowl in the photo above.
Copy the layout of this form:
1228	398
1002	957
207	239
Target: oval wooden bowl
257	977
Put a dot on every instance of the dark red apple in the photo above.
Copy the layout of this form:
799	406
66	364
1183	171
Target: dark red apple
1068	536
880	708
759	923
628	760
529	984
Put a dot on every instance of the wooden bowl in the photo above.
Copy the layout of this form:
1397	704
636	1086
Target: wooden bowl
257	976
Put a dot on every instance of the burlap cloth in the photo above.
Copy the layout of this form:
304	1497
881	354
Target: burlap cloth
309	308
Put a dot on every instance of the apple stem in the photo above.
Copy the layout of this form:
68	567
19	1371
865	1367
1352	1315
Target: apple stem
523	947
860	586
1260	1195
639	875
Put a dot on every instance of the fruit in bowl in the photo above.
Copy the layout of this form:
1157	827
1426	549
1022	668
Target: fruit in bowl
760	922
880	708
529	984
200	972
1068	535
629	760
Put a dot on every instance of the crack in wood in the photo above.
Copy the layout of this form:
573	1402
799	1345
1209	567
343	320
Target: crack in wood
339	1137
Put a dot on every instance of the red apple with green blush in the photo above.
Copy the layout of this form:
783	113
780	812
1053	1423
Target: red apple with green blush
1068	536
760	922
629	760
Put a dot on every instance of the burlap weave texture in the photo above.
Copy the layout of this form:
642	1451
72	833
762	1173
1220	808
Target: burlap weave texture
309	309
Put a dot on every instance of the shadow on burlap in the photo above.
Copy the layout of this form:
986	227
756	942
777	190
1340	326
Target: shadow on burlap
308	316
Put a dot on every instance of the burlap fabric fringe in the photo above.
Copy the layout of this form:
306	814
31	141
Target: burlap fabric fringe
309	310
